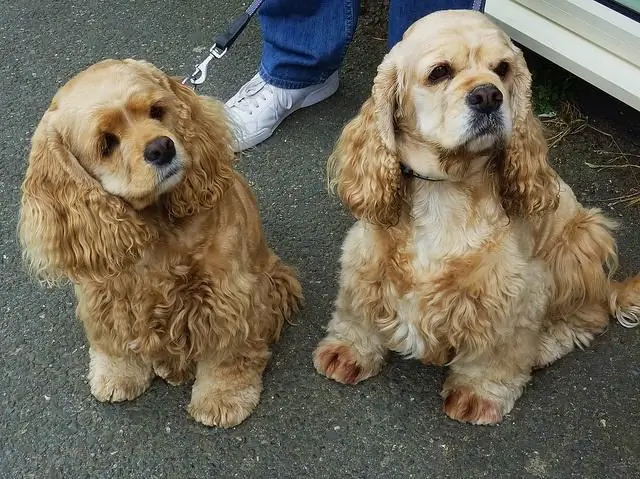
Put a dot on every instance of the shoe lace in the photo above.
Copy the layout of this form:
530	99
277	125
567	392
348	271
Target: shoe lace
251	95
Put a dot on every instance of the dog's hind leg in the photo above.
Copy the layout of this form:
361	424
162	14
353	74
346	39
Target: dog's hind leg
562	335
284	295
582	260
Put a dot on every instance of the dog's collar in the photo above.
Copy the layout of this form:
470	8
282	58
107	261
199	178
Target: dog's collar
406	171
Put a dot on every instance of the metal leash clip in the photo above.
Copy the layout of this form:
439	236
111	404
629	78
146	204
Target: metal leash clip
222	44
199	75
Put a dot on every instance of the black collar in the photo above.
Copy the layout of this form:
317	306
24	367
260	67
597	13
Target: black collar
406	171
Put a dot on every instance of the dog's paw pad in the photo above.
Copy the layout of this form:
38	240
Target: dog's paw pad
465	406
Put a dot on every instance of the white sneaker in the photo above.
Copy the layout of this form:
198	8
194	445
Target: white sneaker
258	108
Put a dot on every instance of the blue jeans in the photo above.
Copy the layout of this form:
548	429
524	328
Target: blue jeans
306	40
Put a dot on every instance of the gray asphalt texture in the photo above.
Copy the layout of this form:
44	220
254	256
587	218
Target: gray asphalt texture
578	418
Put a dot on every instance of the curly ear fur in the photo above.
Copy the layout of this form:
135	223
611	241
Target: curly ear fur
205	133
69	226
527	184
206	136
363	168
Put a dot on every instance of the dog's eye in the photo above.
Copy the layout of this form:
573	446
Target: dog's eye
439	73
156	112
502	69
108	143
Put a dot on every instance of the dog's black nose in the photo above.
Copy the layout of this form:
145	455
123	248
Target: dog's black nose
160	151
485	98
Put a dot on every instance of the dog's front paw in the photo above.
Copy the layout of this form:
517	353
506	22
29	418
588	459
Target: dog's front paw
114	379
466	406
341	363
224	408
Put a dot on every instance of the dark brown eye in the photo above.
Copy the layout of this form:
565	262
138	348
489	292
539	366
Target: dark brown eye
108	143
502	69
156	112
439	73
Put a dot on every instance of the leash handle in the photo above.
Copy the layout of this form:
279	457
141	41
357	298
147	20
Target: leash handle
222	43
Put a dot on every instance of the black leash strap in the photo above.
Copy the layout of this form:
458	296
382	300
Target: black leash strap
222	43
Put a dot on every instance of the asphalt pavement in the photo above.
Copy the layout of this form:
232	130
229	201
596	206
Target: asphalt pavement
579	418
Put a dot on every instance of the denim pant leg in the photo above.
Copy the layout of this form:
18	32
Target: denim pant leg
403	13
304	40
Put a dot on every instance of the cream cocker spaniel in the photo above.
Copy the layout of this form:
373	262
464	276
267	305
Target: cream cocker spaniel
469	250
131	194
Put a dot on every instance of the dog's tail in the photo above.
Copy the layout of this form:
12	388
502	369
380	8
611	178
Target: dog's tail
624	301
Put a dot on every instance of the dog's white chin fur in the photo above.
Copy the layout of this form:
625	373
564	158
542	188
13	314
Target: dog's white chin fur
482	143
170	182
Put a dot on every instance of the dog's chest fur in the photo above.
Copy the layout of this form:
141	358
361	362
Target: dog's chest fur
446	227
172	307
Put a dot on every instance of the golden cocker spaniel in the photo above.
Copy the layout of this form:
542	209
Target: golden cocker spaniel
131	194
469	250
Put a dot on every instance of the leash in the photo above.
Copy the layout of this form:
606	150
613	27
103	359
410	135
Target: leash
222	44
225	40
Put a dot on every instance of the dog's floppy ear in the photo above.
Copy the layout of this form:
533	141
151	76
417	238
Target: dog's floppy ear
206	135
204	131
363	168
69	226
527	184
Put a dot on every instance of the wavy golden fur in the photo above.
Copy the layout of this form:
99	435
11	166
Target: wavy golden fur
171	270
489	265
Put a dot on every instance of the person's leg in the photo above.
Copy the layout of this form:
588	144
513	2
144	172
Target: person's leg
304	41
403	13
304	44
